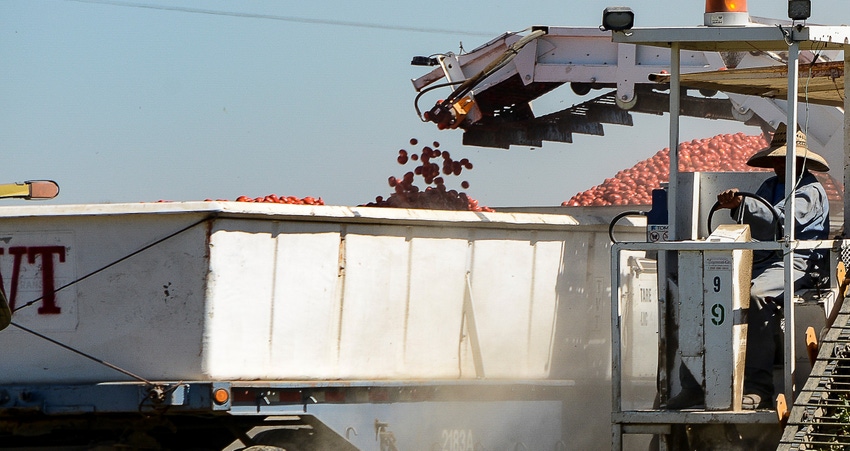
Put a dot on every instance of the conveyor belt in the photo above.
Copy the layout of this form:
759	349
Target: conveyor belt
820	416
518	126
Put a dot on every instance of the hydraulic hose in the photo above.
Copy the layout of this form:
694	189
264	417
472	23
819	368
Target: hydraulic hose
437	114
618	218
491	68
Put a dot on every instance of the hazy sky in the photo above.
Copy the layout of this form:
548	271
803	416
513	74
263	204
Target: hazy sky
131	101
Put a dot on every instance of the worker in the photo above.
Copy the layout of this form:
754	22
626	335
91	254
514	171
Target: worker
764	331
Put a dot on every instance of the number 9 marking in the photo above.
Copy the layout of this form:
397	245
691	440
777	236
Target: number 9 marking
718	314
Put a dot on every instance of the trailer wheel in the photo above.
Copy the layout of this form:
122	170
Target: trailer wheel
280	439
306	433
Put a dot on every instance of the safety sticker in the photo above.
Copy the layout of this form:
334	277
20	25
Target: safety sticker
718	264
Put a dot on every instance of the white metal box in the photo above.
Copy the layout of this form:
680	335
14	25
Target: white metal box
715	291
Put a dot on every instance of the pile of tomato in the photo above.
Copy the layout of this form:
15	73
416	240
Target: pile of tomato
275	199
632	186
433	166
725	152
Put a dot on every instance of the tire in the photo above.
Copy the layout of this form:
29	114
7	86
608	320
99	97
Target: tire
277	440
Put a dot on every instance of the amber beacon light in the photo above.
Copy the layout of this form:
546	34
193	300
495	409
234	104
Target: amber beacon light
726	13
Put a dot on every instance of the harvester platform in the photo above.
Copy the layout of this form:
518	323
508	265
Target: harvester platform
820	416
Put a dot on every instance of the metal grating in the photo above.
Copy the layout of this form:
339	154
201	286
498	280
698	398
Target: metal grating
820	416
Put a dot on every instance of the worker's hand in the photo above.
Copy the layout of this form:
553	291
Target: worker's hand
728	199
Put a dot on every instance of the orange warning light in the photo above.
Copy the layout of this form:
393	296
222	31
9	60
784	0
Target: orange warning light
725	6
221	396
726	13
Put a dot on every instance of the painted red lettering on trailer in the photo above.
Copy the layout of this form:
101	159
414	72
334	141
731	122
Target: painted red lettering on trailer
17	252
35	254
48	287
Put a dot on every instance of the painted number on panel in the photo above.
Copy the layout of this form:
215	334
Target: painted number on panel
718	314
717	284
457	440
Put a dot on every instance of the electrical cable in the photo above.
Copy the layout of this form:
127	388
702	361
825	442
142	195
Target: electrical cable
108	265
281	18
806	103
494	66
618	218
470	83
786	35
429	89
799	179
78	352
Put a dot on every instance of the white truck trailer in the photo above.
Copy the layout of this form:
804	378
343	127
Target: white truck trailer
188	325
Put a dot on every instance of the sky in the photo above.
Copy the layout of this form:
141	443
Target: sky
184	100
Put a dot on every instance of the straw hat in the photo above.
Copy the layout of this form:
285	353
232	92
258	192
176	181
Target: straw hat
777	148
